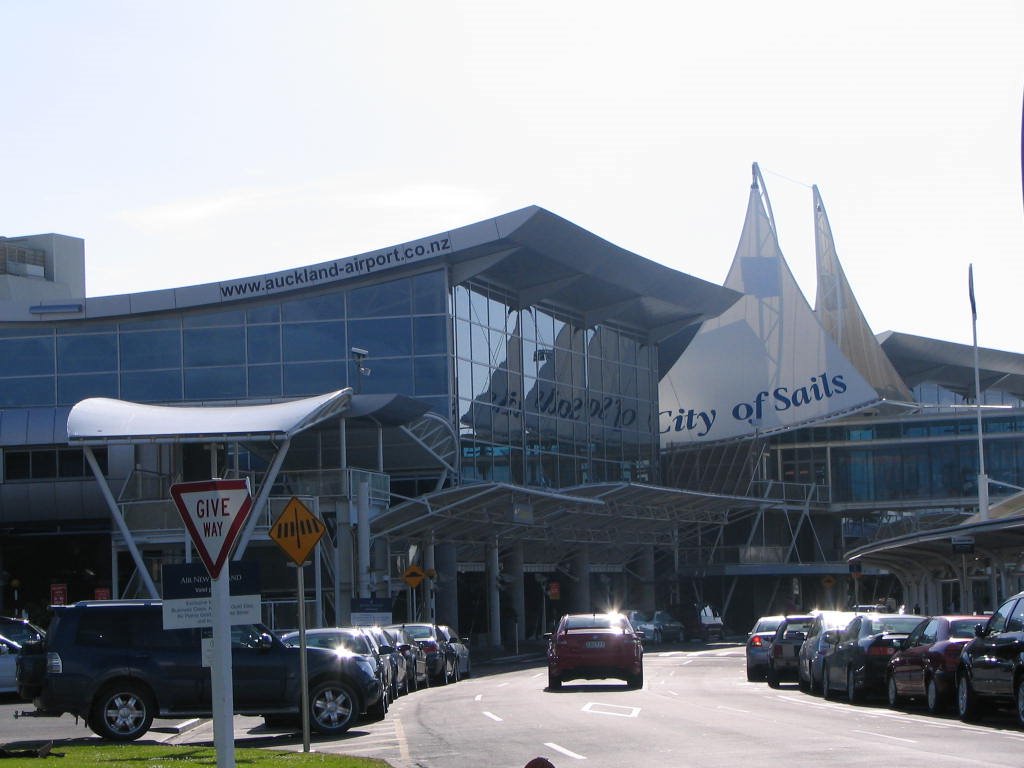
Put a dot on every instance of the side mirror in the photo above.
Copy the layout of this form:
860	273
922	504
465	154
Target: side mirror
831	637
386	649
404	648
266	641
640	633
979	630
547	636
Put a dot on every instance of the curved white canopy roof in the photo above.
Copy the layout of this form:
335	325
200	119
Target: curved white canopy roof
100	420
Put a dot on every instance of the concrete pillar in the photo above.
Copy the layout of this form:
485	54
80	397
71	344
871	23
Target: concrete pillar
363	536
515	593
581	602
381	581
493	593
447	592
428	611
645	570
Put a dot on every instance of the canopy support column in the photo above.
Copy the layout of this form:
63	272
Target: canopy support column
122	526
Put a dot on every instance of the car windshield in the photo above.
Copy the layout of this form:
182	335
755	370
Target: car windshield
333	640
419	632
20	632
767	625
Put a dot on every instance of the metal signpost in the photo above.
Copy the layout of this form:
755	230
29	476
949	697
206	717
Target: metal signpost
214	512
296	531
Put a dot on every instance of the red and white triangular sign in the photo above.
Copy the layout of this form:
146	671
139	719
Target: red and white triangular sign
214	512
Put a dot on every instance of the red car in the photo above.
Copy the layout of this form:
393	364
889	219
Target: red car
595	646
925	666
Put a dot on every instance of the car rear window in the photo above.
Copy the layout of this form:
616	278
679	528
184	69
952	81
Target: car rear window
964	627
897	624
593	622
767	625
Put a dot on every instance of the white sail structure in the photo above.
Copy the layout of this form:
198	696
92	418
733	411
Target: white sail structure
839	313
763	365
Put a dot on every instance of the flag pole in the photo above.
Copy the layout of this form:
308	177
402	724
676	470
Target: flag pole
982	477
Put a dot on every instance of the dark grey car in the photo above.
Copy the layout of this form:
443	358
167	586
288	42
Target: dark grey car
817	645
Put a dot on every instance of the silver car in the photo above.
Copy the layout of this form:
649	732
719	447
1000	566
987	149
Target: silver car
759	646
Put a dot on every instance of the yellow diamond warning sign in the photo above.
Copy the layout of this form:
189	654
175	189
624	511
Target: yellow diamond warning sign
297	531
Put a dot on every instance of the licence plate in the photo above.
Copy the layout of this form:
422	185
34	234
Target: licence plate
594	644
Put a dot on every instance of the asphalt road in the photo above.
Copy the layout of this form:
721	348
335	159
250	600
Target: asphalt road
696	709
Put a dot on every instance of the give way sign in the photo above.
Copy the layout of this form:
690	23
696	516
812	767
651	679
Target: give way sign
214	512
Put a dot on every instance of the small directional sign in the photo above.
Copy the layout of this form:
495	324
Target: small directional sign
297	531
214	512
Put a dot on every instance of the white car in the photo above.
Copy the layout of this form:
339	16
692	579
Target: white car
8	665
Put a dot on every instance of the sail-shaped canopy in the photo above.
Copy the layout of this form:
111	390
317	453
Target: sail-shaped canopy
839	313
765	364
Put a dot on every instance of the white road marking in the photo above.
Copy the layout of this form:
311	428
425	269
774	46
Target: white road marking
674	693
502	685
733	709
478	697
493	717
610	709
885	736
563	750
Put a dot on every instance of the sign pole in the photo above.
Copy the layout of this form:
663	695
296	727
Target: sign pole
221	672
302	657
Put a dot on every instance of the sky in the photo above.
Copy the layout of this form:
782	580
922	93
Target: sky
191	142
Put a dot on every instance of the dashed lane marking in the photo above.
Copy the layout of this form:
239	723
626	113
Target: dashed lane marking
493	717
564	751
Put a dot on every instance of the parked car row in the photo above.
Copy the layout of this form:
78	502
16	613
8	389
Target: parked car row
968	661
112	663
703	624
404	656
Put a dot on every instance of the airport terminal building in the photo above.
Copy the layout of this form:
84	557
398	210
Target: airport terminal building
495	423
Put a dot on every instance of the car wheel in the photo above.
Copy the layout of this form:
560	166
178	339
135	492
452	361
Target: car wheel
122	712
468	668
891	693
380	709
554	681
801	682
635	681
966	699
1020	700
773	677
333	708
456	676
412	684
826	689
932	698
852	695
751	675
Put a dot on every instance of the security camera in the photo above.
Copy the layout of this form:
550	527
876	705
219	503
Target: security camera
359	352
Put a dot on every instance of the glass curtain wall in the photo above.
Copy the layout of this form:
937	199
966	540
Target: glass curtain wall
543	401
288	347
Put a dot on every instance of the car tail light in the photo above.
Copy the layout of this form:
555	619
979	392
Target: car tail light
54	665
881	650
756	641
429	646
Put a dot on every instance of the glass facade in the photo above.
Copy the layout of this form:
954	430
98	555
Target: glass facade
916	458
543	401
271	349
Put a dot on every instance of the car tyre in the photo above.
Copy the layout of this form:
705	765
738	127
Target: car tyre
966	699
1019	697
826	689
772	676
469	668
379	710
122	712
891	692
852	694
933	700
554	681
333	708
751	675
635	681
